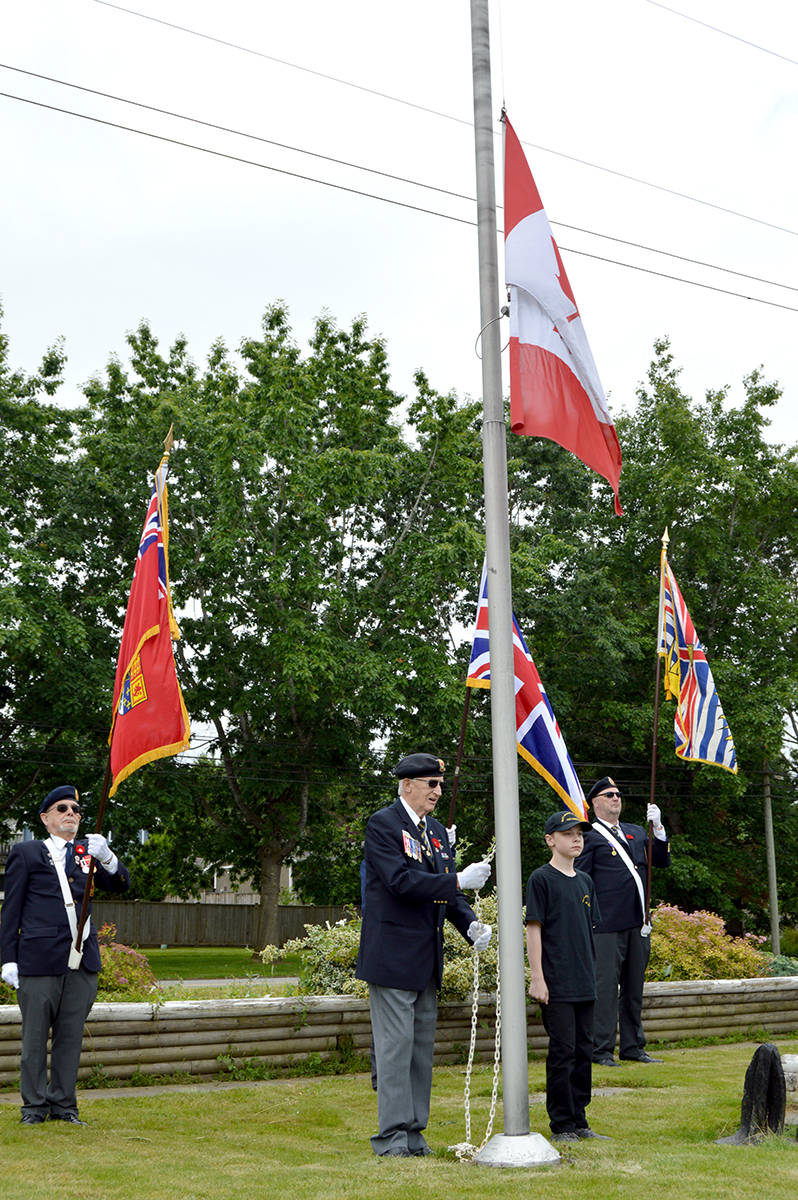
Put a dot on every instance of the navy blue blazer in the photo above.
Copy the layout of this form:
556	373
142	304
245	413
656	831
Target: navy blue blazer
34	929
406	902
619	900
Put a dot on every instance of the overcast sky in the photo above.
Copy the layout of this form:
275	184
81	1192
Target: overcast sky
101	227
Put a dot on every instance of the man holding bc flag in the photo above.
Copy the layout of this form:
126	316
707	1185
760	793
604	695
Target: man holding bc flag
411	888
56	986
615	857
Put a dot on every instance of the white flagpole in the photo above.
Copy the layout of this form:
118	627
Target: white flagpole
517	1147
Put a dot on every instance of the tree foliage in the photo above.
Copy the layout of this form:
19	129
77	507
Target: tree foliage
326	539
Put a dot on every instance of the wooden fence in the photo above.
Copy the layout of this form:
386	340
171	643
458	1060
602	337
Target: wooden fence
200	1036
141	923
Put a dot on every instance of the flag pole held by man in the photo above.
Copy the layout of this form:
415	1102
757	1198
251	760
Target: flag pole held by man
149	716
701	730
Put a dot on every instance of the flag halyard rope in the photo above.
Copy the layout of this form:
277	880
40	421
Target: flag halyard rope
467	1151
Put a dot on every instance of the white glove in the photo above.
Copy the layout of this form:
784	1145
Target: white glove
480	935
451	833
654	815
98	848
10	974
474	875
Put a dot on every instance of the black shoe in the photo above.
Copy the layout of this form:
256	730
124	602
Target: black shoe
644	1058
402	1153
605	1060
567	1135
586	1132
70	1118
32	1119
420	1152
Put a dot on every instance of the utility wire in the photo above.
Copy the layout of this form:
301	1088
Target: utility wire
716	29
583	162
374	171
158	137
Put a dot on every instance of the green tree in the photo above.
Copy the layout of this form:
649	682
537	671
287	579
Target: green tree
48	639
317	547
586	594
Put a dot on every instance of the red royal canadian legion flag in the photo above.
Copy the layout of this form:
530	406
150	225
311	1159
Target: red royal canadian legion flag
149	717
555	391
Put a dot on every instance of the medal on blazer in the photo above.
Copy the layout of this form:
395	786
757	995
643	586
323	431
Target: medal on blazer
82	857
412	847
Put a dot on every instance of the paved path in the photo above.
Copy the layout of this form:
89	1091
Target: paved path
249	979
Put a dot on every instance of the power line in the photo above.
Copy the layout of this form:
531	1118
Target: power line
716	29
373	195
374	171
583	162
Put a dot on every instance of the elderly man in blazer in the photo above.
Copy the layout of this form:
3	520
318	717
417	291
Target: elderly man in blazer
411	888
615	858
44	881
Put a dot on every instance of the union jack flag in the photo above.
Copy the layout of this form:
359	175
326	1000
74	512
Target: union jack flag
149	718
702	733
538	736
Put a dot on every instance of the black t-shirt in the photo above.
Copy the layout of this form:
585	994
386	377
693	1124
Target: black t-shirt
566	908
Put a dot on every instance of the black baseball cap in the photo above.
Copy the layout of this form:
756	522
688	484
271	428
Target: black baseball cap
563	820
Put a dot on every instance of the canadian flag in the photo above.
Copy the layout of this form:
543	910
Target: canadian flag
555	391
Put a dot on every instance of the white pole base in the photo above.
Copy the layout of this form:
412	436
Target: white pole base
521	1150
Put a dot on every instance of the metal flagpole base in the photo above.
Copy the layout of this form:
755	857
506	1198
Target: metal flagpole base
521	1150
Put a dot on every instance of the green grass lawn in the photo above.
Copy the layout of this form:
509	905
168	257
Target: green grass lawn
308	1139
216	962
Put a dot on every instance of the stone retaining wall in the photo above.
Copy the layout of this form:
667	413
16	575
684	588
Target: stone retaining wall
192	1035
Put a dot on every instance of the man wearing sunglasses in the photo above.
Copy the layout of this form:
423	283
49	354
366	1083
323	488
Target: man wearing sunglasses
44	887
412	887
615	857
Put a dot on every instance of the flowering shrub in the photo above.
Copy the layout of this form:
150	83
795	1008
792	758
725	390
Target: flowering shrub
458	956
125	973
329	953
696	946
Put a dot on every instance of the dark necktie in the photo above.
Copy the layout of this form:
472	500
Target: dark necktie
422	829
69	857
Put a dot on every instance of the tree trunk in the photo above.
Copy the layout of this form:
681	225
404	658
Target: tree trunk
270	863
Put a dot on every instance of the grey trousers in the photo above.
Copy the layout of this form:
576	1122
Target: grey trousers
621	961
403	1026
59	1003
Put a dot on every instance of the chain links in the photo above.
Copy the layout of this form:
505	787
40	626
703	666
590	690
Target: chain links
467	1151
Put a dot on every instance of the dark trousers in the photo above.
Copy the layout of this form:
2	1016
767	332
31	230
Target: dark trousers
568	1063
403	1027
57	1003
621	961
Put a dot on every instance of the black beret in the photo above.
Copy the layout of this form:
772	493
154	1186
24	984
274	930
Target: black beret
65	792
415	765
564	819
599	786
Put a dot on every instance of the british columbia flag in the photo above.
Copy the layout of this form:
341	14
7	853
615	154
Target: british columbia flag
702	733
538	735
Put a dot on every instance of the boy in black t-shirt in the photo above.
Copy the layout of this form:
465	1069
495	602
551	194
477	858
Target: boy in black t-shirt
561	910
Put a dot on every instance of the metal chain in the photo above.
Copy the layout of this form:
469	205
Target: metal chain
467	1151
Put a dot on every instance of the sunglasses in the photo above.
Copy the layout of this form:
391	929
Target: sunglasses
432	783
62	808
610	795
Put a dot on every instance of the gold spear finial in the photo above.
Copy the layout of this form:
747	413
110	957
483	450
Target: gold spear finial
169	440
665	539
